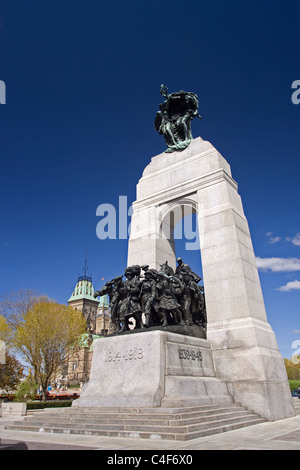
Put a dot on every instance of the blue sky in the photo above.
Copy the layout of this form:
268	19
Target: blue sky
82	90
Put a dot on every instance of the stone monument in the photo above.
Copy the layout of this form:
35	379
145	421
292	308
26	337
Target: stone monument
235	357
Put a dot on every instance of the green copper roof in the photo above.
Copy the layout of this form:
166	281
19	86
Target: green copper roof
104	301
83	290
85	341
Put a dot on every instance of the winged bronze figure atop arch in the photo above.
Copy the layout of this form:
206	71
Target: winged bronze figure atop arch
173	120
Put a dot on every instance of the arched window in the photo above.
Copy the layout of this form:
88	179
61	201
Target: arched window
76	362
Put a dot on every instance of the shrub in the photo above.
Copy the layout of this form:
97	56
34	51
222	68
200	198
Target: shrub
27	390
40	405
294	384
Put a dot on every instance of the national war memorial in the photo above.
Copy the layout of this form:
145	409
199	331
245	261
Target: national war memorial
191	345
187	357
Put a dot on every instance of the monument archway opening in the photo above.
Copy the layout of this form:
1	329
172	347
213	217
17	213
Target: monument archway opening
179	225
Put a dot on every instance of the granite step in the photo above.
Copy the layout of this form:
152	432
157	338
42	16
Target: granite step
164	423
140	413
154	434
139	410
135	425
167	420
296	402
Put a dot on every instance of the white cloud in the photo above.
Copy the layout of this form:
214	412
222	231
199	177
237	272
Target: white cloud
295	240
272	239
278	265
292	285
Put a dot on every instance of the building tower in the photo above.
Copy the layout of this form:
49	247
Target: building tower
103	324
83	298
97	317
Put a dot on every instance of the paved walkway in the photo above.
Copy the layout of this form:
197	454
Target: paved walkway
278	435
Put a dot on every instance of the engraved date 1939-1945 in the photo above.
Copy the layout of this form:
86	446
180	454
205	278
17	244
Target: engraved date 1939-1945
131	355
190	355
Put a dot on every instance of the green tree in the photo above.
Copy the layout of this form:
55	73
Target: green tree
292	369
16	304
45	336
27	390
5	339
5	330
11	373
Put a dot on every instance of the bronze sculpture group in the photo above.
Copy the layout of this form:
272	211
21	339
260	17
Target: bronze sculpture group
155	298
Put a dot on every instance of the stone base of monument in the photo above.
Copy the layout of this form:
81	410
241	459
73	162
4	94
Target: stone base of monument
153	369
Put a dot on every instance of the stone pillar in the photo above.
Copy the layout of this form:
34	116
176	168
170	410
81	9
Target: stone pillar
243	343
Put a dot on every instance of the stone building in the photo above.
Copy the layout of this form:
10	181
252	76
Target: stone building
97	315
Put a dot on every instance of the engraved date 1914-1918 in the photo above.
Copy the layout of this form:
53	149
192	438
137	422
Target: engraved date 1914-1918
190	355
131	355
